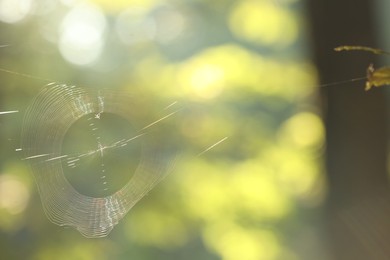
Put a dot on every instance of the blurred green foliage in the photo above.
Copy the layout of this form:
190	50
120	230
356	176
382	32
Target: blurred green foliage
239	69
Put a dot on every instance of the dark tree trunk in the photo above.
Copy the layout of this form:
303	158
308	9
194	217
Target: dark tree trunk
358	206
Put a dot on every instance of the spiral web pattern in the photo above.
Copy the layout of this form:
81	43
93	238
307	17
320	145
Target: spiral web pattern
46	122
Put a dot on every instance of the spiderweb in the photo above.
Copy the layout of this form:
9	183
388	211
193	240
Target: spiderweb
48	128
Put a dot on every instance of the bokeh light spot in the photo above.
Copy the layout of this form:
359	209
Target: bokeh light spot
206	80
258	193
12	11
304	130
264	23
118	6
133	26
233	242
14	194
297	171
170	24
81	40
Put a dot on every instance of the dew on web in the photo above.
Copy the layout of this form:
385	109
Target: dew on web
8	112
212	146
94	155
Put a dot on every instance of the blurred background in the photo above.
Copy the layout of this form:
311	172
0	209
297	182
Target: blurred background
243	72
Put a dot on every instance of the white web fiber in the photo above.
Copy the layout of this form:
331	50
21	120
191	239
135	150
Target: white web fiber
52	113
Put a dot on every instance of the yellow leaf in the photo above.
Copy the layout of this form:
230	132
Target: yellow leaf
361	48
377	77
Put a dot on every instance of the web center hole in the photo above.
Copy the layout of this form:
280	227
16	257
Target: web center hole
103	154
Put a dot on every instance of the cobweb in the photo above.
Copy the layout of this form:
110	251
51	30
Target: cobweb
62	114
